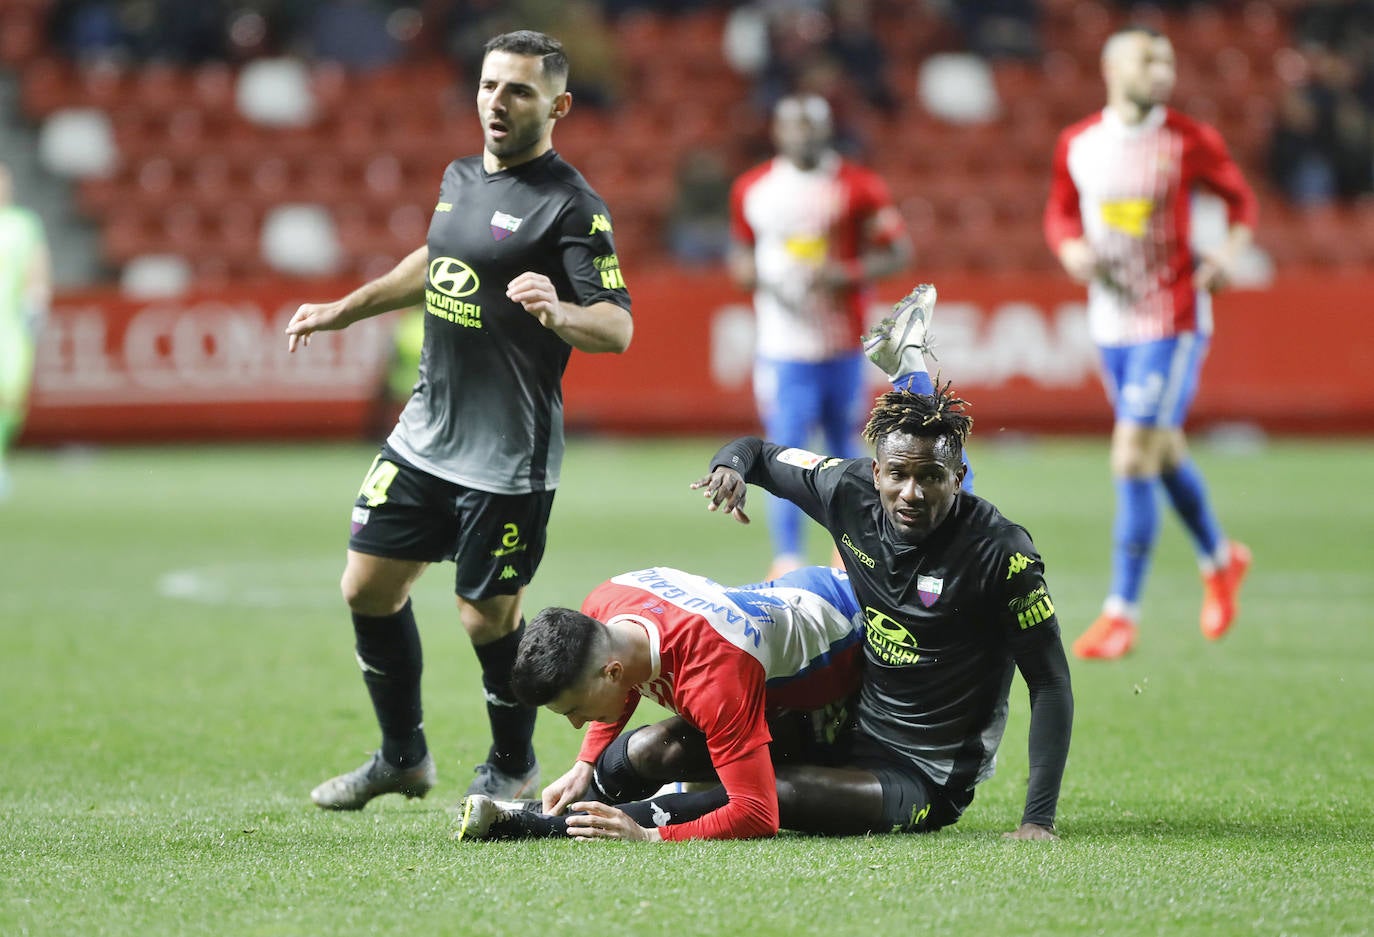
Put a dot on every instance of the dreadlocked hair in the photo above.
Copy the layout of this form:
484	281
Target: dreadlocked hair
928	415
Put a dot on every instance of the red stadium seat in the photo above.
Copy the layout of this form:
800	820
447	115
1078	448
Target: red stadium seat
21	36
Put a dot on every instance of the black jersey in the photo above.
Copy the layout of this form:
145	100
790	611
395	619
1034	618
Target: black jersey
487	410
948	620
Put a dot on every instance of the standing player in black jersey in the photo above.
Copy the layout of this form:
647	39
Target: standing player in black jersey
520	268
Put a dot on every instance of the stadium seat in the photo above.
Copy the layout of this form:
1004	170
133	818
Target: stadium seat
21	36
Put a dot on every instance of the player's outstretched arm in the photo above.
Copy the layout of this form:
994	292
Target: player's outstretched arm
572	785
724	489
401	287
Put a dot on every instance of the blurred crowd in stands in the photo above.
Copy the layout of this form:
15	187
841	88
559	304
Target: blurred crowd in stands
1323	144
1320	149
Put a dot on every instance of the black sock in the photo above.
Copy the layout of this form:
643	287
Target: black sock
389	653
676	808
658	811
614	778
512	724
527	825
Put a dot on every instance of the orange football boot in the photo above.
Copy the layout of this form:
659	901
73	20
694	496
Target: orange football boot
1220	592
1108	638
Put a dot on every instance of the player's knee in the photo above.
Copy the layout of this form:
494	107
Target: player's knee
1137	456
489	619
367	598
648	750
670	749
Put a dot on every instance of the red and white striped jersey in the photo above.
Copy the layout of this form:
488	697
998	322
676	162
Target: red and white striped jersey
795	220
726	657
1127	190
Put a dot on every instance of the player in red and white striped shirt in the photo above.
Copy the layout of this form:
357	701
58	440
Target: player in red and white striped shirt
729	660
811	232
1118	220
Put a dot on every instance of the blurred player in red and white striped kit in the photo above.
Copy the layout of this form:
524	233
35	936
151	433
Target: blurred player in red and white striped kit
1118	220
811	232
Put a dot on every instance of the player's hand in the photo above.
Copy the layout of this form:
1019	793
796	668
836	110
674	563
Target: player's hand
725	488
572	785
1078	260
1031	831
535	292
314	317
602	821
1213	273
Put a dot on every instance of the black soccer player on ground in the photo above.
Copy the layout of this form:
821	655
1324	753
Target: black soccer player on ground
520	268
955	600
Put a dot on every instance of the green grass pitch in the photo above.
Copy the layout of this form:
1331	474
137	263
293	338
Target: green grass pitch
178	673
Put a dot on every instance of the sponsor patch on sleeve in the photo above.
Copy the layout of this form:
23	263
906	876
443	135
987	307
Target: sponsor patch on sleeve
800	458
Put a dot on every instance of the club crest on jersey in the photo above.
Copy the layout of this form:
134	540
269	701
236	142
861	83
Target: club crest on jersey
800	458
504	225
929	589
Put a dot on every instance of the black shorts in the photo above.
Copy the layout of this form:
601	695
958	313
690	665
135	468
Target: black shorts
497	541
912	802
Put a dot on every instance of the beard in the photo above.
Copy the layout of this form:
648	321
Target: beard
513	144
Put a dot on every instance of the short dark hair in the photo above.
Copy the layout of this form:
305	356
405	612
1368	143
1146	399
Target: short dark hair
549	50
932	416
554	654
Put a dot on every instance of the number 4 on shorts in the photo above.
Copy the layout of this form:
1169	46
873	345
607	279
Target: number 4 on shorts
378	480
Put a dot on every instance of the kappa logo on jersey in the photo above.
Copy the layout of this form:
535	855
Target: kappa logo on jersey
508	573
504	225
1128	215
889	639
1017	563
1032	609
600	223
860	555
453	277
928	588
800	458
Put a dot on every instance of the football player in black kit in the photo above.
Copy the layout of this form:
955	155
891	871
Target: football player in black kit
955	600
519	269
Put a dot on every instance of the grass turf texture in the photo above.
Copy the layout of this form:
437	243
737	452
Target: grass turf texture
177	674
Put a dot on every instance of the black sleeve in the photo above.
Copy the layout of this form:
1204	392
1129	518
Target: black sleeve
738	454
1027	610
1045	668
804	478
590	261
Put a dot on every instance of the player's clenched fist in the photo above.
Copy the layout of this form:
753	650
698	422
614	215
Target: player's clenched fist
536	293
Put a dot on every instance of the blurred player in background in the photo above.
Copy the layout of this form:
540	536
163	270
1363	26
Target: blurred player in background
810	233
519	270
25	292
1118	220
742	667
